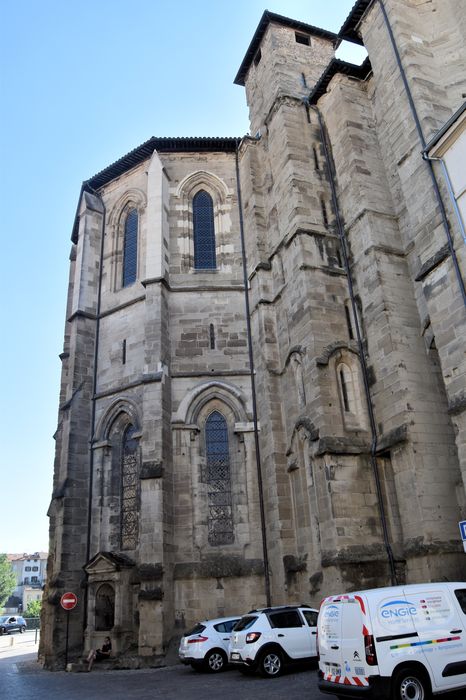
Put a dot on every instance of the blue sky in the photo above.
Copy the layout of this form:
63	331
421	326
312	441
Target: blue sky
83	83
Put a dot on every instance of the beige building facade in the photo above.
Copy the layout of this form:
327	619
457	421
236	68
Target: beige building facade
263	389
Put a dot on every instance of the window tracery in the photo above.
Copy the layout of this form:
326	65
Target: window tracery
130	248
129	490
204	231
220	518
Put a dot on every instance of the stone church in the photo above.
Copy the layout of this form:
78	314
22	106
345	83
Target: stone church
263	385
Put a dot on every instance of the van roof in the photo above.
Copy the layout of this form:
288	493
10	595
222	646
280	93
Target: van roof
400	589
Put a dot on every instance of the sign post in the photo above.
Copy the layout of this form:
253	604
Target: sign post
462	525
68	601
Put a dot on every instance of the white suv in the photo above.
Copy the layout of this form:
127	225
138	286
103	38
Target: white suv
205	647
269	638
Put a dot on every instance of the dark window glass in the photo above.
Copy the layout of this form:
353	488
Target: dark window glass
35	568
225	627
27	568
310	617
344	391
257	58
197	629
105	607
287	618
324	212
348	322
218	480
129	491
302	39
245	623
34	579
204	232
130	248
461	595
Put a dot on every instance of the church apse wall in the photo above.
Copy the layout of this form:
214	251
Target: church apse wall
355	321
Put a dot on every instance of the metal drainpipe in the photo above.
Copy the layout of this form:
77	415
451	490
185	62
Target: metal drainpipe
437	159
370	408
414	113
253	382
86	186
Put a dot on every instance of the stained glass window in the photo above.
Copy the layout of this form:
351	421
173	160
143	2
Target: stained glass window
130	248
129	491
220	522
204	231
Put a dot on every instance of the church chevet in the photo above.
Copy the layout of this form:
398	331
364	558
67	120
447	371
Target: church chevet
263	388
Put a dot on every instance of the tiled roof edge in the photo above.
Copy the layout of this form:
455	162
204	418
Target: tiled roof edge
264	22
335	66
188	144
348	31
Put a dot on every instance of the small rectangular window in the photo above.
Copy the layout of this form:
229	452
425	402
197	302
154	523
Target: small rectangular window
257	58
304	39
123	353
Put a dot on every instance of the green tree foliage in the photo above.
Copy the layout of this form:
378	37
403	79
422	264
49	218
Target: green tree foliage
7	579
33	609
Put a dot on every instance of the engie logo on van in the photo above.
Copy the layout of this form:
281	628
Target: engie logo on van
331	611
397	610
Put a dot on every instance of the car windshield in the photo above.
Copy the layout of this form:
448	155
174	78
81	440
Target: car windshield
245	623
4	618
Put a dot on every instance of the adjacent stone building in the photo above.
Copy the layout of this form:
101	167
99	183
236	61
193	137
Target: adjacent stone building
263	389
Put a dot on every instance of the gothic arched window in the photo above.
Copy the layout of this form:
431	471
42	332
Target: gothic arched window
105	607
218	480
129	490
204	231
130	248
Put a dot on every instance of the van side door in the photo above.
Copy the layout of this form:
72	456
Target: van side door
441	626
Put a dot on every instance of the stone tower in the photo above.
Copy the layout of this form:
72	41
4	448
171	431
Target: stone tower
223	445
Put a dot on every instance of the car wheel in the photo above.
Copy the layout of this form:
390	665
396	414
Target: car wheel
215	661
22	629
2	631
271	664
410	684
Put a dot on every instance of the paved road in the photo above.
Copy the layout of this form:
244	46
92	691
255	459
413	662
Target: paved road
21	678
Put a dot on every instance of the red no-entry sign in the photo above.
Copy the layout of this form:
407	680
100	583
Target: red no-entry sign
68	601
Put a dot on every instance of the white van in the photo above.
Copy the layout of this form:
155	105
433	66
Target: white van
402	642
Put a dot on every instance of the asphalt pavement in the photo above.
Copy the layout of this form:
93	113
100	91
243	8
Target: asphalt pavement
22	677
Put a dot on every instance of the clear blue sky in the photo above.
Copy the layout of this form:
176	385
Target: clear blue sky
83	83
